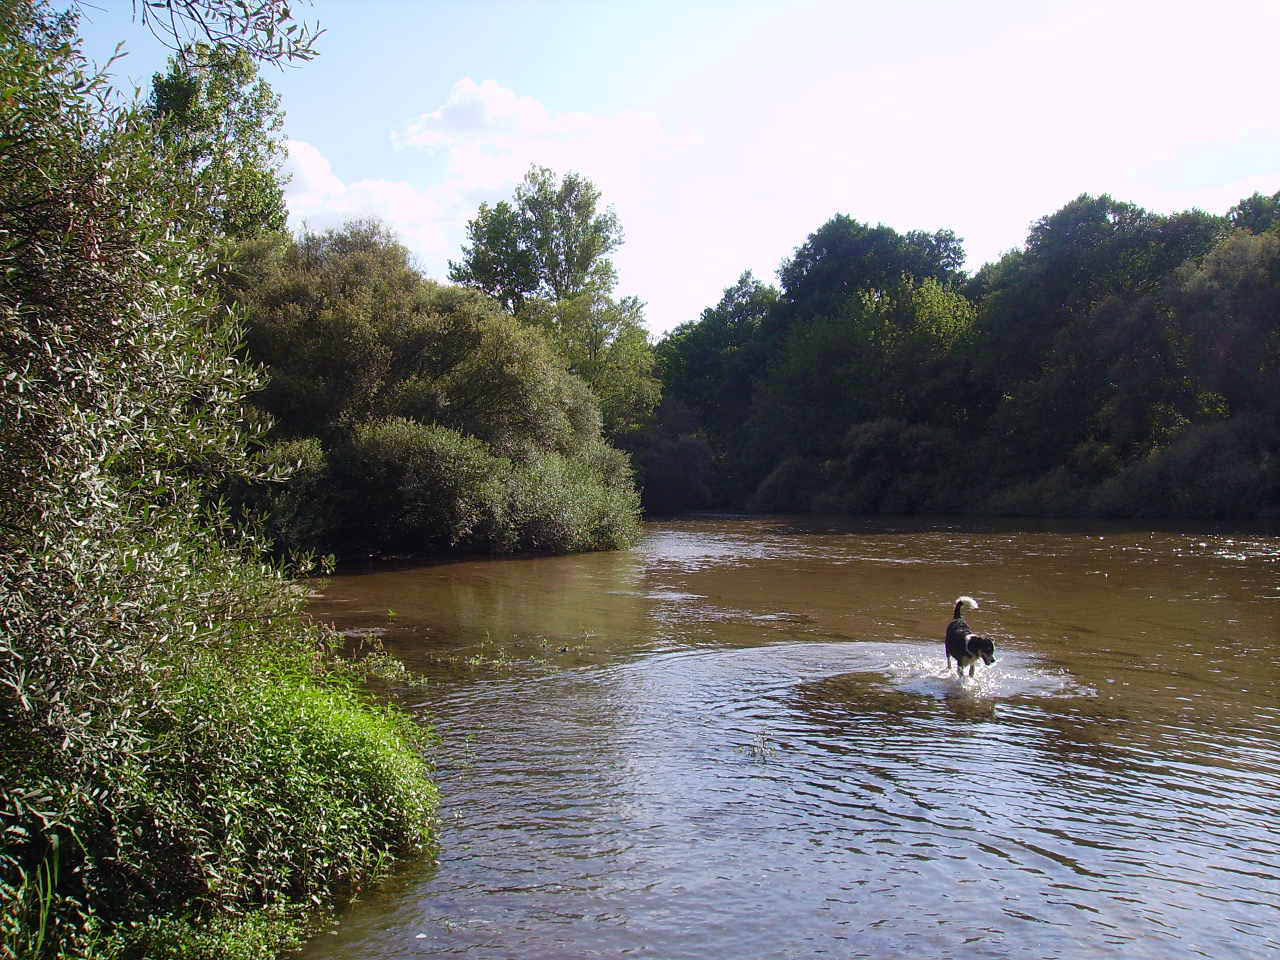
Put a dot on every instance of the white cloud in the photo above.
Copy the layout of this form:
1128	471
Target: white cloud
476	112
426	220
489	136
740	162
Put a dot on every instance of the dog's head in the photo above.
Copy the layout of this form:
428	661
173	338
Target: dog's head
981	647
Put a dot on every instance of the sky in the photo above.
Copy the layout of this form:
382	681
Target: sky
724	133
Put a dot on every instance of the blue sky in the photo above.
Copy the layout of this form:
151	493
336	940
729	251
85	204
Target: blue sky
723	133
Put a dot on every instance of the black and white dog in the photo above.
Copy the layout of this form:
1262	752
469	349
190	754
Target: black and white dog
963	644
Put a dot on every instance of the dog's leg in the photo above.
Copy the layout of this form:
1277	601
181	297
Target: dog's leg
971	667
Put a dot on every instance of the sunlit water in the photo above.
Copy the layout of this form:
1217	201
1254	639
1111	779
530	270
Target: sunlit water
740	740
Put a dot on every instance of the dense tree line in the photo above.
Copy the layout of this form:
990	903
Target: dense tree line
1121	363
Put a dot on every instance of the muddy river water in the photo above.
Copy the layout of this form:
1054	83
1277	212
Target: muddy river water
739	740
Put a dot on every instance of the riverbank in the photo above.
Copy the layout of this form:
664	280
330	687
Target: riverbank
199	799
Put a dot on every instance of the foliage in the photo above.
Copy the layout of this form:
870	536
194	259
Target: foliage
544	258
844	257
884	353
552	243
789	488
421	406
604	341
416	487
891	466
710	364
678	472
1228	304
174	751
223	127
1257	213
263	29
1109	366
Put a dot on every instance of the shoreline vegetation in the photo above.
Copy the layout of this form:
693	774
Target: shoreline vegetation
195	405
1123	364
187	768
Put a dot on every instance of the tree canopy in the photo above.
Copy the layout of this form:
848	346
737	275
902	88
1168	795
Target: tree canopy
544	257
223	127
426	410
552	242
1098	369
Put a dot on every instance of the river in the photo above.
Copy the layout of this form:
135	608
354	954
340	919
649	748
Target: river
740	739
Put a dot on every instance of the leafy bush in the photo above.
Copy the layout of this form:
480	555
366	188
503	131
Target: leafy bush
174	751
432	409
891	466
301	508
1215	471
571	504
789	488
417	487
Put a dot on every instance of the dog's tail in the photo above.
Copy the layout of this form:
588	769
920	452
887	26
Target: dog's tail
961	603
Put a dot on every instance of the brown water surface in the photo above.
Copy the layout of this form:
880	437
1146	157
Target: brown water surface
739	739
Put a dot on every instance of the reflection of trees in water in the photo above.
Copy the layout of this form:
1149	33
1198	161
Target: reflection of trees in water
499	609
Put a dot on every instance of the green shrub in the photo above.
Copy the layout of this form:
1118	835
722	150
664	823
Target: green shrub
176	751
415	487
678	473
1215	471
566	505
301	508
437	411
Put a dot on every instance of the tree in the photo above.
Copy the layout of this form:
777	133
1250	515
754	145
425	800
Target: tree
500	261
544	257
1228	303
223	127
265	30
710	363
552	243
885	353
1061	319
1257	213
429	419
843	257
605	342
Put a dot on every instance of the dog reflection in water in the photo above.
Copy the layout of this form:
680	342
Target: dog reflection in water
965	646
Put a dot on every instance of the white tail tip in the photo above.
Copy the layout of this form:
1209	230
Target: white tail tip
968	602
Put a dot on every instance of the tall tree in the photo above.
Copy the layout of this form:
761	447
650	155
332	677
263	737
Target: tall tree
605	342
1257	213
223	125
552	243
844	257
710	364
545	257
